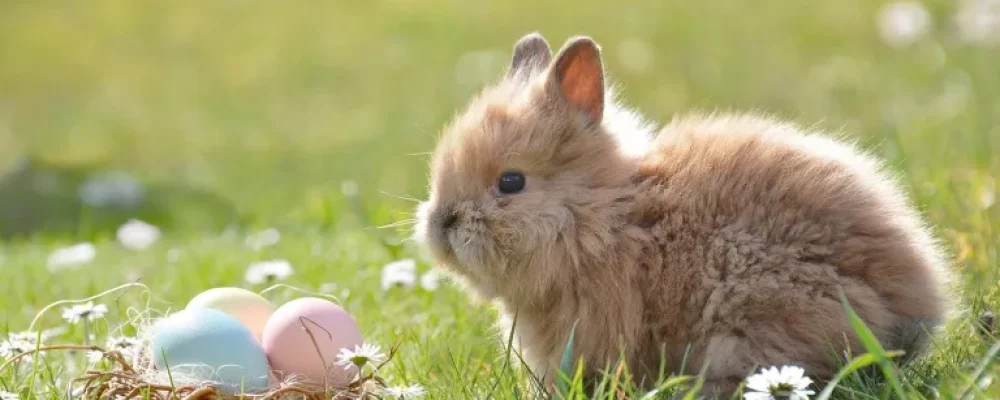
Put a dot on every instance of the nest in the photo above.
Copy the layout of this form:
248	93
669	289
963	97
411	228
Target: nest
132	381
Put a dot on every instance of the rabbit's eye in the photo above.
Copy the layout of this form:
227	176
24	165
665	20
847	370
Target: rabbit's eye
511	182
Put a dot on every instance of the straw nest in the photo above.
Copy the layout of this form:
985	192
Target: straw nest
139	379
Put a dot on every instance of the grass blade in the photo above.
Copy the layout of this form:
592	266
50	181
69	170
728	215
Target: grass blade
698	383
871	344
669	384
566	365
506	361
984	365
857	363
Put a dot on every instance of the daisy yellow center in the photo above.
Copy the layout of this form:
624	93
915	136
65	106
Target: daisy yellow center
359	360
782	389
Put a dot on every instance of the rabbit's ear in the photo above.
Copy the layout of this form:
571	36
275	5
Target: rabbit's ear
531	54
578	76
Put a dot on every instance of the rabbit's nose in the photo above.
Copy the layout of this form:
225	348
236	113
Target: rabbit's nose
448	219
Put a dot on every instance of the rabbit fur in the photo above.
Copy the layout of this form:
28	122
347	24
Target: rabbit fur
726	240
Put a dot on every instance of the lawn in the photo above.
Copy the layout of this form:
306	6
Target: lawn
314	120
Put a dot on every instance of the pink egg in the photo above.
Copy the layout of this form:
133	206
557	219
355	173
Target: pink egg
302	339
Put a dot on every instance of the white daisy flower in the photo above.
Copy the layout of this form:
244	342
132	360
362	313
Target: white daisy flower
12	348
903	23
71	256
81	312
49	333
114	188
94	356
126	345
27	336
407	392
430	281
985	382
173	255
399	273
268	271
789	382
5	395
328	287
362	355
137	235
349	188
264	238
18	343
978	21
988	192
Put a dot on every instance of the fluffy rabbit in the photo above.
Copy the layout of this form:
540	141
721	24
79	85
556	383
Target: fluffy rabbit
727	240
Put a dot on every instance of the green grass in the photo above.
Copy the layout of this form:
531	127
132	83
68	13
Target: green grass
272	105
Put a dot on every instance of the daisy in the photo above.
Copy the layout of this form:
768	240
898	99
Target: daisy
114	188
71	256
11	348
362	355
264	238
5	395
27	336
94	356
30	337
84	312
408	392
18	343
903	23
430	281
328	287
51	332
349	188
173	255
137	235
978	21
126	345
770	383
399	273
268	271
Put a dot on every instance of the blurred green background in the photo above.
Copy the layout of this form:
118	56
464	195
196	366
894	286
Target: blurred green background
266	104
194	114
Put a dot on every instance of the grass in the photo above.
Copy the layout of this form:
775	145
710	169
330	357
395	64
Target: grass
271	106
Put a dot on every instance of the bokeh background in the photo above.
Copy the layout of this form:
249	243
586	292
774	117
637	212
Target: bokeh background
264	104
198	116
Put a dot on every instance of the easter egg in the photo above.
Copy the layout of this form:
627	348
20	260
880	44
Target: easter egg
204	344
246	306
303	337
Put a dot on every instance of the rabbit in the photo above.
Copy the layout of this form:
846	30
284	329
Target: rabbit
725	242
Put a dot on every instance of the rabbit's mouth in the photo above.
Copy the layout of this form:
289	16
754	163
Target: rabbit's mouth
433	235
460	243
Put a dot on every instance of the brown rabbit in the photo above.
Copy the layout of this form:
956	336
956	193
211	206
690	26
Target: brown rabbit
732	234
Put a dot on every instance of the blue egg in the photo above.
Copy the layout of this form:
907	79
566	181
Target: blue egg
208	345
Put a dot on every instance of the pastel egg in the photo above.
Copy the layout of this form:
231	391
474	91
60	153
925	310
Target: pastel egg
247	307
205	344
304	336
